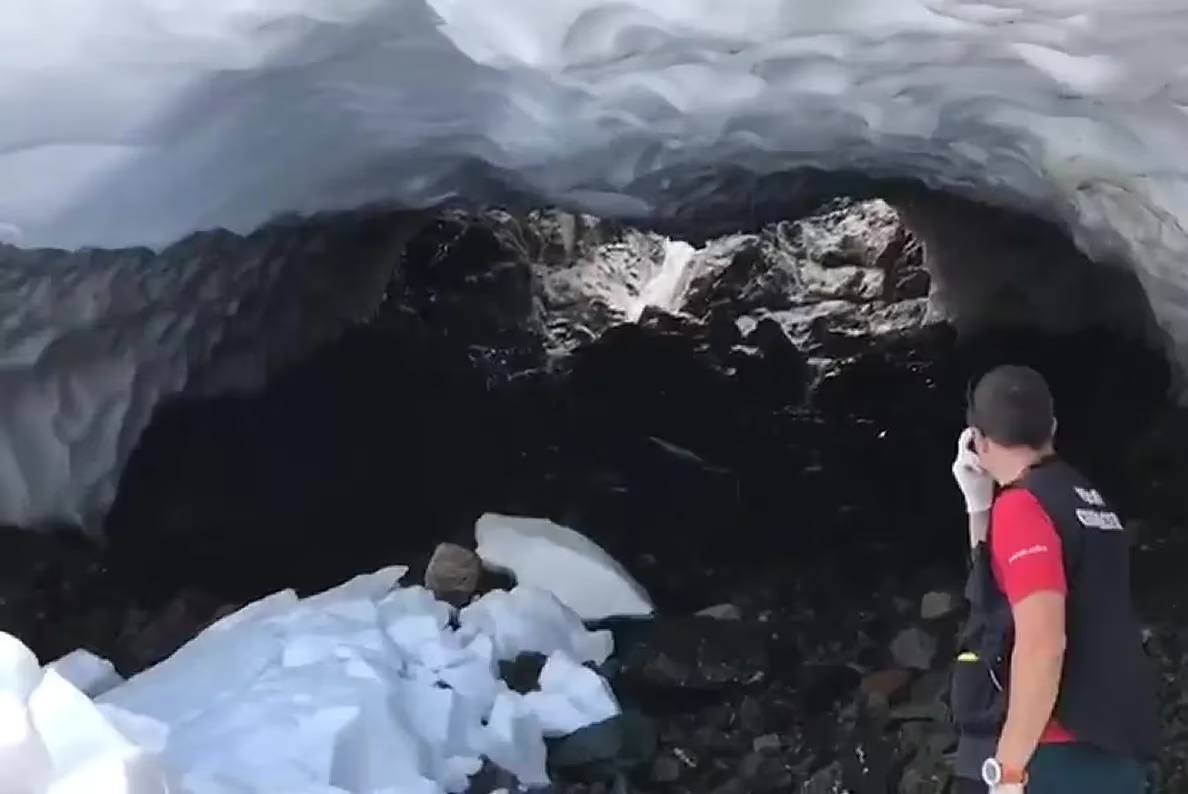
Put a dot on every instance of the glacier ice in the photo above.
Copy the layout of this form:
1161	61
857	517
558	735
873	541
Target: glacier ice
366	688
91	341
90	674
562	561
137	121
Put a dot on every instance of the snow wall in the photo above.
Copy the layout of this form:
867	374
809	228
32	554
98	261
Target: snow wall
136	122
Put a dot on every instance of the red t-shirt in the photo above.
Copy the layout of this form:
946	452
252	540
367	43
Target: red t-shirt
1027	557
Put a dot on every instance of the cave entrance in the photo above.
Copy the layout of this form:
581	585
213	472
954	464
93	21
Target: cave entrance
795	391
766	440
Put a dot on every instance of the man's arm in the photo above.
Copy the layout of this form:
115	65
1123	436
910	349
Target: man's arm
1036	664
1029	561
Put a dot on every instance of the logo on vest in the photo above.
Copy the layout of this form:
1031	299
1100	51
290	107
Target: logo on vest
1039	548
1100	519
1096	519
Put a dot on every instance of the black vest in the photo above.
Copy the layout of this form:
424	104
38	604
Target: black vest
1107	690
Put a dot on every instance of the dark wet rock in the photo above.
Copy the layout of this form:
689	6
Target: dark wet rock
150	637
718	735
868	753
460	272
914	648
666	769
521	291
821	686
777	266
640	739
601	751
642	376
591	752
938	604
832	282
926	711
911	284
57	595
452	574
920	781
762	772
846	282
840	329
750	716
490	779
522	674
767	743
886	687
925	743
696	654
769	364
931	687
828	780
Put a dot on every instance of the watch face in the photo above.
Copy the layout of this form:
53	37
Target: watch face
991	772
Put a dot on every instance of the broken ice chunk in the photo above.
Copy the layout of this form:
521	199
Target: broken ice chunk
437	716
529	620
90	674
20	672
513	740
422	639
366	587
269	606
571	697
457	771
73	729
145	732
25	764
413	601
130	772
473	675
562	561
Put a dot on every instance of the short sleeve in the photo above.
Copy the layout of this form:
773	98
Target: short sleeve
1025	547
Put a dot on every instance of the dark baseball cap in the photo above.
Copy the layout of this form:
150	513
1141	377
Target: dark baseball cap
1013	406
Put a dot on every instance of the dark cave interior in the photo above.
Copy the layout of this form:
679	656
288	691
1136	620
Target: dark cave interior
383	444
393	437
717	466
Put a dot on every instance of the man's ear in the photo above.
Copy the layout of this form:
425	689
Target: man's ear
980	443
1054	426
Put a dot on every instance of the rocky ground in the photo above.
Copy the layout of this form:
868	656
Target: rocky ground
767	453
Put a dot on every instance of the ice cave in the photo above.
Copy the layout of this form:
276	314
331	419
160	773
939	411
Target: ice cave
445	396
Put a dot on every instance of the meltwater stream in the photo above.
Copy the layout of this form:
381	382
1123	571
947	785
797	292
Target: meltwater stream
665	287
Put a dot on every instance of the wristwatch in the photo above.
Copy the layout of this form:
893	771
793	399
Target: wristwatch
995	774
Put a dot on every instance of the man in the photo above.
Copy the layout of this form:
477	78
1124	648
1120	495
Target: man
1052	690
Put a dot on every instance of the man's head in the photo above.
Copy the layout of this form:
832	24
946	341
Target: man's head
1011	412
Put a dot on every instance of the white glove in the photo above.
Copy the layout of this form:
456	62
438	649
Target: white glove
976	485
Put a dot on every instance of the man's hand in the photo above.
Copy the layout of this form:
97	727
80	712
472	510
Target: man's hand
976	485
1008	788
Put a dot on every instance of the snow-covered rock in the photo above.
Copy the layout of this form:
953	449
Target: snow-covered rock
543	554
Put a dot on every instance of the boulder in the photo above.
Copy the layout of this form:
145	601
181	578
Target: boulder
453	573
